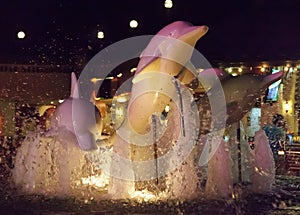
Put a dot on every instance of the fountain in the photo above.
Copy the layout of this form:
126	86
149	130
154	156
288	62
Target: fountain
156	152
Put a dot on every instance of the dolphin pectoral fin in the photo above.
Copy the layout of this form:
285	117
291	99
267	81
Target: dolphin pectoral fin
86	141
188	76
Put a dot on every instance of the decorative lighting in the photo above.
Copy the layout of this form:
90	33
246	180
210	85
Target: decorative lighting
21	35
61	101
167	108
109	78
168	4
99	181
281	152
95	80
286	68
263	69
119	75
230	70
100	35
133	24
240	70
121	99
287	107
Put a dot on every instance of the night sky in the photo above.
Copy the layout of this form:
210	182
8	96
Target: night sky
64	32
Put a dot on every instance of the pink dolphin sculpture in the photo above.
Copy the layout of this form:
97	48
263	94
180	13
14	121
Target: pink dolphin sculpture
75	115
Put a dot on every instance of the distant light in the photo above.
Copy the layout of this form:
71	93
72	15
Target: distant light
230	70
280	152
167	108
168	4
263	69
286	69
240	70
234	74
121	99
287	107
133	70
109	78
21	35
95	80
52	103
61	101
119	75
133	23
100	34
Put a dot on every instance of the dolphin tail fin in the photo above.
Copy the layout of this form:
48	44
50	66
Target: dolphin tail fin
268	80
74	87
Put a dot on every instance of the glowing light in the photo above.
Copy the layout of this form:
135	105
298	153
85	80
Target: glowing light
167	108
240	70
234	74
168	4
44	108
99	181
133	70
281	153
21	35
230	70
287	106
119	112
95	80
263	69
100	34
133	24
61	101
143	195
109	78
52	103
121	99
119	75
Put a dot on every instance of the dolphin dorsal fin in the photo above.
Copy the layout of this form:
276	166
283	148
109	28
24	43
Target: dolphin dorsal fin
74	87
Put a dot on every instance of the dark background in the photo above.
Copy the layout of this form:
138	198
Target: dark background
64	32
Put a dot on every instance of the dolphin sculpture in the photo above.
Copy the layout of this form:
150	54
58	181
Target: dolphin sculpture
242	91
75	115
168	52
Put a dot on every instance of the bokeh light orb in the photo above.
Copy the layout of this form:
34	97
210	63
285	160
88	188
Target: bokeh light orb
100	35
21	35
133	24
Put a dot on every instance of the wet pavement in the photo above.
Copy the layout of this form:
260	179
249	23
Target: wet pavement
285	200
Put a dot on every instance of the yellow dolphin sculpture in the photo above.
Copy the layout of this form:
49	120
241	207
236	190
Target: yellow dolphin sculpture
168	52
